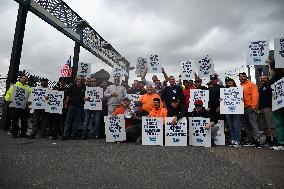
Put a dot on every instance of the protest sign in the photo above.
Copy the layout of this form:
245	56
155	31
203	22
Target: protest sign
96	95
188	69
19	97
37	98
231	100
84	69
152	131
205	66
279	52
257	53
278	94
115	128
198	134
198	94
133	98
176	135
141	66
219	139
54	104
153	64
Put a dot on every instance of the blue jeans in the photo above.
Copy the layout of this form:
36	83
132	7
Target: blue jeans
95	114
72	121
234	122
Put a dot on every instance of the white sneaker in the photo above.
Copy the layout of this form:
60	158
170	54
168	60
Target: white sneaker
277	148
235	143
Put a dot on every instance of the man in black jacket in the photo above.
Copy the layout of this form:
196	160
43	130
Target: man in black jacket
177	110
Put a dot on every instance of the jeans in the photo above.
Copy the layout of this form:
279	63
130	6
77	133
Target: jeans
15	114
234	122
95	114
41	119
72	121
250	124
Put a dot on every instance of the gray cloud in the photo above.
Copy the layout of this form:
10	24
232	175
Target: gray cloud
176	30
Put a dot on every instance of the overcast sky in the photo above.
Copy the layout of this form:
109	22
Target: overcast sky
175	30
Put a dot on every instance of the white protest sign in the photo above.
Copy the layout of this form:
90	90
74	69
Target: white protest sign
37	98
231	100
198	134
187	70
133	98
154	65
152	131
219	139
84	69
96	95
205	66
257	53
279	52
19	97
2	87
176	135
54	104
115	128
278	94
141	66
117	71
200	94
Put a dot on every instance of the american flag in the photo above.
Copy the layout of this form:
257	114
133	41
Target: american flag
66	70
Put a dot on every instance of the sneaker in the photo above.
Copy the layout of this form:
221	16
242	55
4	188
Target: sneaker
248	144
277	148
235	144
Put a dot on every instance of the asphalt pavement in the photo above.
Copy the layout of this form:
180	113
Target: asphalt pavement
93	163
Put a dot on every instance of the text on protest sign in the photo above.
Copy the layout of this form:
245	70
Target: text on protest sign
152	131
200	94
188	69
176	135
205	66
116	71
279	52
257	52
84	69
198	134
153	63
232	100
141	66
115	128
278	94
96	95
37	98
133	98
19	97
54	104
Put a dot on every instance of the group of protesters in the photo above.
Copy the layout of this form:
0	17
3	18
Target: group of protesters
166	98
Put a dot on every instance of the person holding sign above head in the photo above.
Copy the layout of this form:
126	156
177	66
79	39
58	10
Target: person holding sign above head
200	111
158	111
40	117
177	110
147	99
114	93
251	97
75	99
233	120
17	97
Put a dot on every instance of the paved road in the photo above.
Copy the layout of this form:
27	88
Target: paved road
43	163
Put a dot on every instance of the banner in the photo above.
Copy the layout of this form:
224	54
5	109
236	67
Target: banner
198	134
279	52
176	135
188	69
115	128
54	104
198	94
19	97
257	52
205	66
278	94
154	65
37	98
152	131
84	69
231	100
96	95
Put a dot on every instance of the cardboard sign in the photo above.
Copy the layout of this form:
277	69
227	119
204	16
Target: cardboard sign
54	104
198	94
198	134
231	102
84	69
257	52
188	69
115	128
205	66
152	131
279	52
278	94
19	97
154	65
176	135
37	98
96	95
